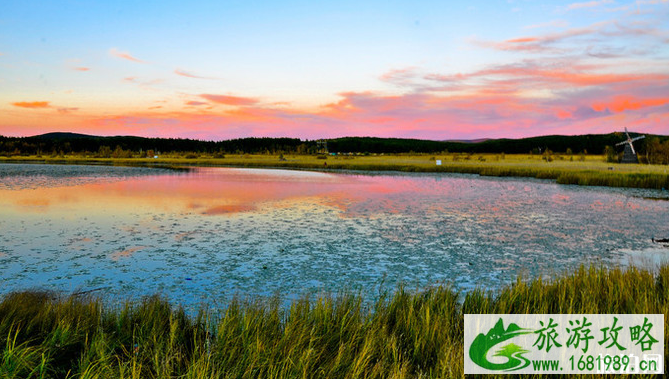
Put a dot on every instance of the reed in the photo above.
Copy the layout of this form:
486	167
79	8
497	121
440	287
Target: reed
402	334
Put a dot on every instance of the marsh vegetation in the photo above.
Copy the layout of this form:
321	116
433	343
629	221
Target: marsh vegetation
405	333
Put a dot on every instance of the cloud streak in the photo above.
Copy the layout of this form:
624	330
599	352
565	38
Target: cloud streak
32	104
230	100
124	55
588	4
188	74
66	110
548	43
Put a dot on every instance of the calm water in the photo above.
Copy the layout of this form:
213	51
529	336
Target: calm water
204	235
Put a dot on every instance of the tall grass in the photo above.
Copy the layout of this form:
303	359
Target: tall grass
404	334
630	180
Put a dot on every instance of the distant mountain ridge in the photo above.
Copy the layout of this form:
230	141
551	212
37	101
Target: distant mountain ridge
65	135
77	142
468	140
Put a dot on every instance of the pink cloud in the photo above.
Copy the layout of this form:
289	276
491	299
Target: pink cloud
563	114
230	100
124	55
530	97
534	74
548	43
624	103
599	35
400	76
522	40
427	115
81	68
187	74
493	102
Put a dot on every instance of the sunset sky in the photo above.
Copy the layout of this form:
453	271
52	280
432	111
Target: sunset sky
420	69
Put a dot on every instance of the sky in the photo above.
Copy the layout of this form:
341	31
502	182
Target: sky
440	70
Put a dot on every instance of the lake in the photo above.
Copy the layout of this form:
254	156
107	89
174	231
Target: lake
204	235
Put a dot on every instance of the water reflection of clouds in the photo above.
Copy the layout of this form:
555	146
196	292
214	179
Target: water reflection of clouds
228	209
262	231
209	192
125	253
33	204
185	236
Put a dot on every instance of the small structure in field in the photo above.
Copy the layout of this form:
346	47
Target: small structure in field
629	154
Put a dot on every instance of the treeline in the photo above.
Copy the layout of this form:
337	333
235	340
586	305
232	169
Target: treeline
591	143
123	147
652	149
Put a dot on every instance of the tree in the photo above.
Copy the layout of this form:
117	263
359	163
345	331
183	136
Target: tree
104	152
610	154
658	152
120	153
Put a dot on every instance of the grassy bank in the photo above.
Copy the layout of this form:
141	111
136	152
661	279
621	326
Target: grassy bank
565	169
405	334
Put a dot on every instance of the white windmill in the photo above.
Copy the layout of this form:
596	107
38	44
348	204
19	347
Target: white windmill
629	154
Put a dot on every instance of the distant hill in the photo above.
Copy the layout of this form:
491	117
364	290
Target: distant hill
590	143
468	140
66	142
62	135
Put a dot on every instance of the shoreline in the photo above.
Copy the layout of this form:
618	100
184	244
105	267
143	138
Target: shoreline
591	172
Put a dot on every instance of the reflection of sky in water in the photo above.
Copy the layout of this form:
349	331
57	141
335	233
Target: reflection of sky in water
210	233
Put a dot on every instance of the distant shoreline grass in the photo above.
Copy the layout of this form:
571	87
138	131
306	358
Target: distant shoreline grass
405	334
580	170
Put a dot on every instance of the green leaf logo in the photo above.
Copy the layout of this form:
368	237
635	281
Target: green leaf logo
482	344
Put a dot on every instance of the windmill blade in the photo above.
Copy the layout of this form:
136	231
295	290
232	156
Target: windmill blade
626	132
621	143
637	138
